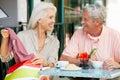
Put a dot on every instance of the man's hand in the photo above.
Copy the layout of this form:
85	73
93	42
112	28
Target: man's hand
93	58
111	64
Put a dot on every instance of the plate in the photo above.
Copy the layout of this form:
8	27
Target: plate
71	69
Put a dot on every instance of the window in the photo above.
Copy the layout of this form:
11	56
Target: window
3	14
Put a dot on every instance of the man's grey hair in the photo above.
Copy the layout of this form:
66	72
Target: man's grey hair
96	11
39	12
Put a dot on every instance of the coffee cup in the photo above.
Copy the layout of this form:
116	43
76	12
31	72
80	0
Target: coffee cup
97	64
62	64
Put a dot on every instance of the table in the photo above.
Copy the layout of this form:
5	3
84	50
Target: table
87	73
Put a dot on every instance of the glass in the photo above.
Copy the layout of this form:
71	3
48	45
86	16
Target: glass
85	64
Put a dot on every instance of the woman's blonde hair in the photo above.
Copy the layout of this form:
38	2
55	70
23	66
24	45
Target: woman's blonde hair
38	12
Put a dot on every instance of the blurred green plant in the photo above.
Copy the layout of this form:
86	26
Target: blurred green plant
93	51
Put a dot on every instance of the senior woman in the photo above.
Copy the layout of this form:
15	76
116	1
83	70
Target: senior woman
37	39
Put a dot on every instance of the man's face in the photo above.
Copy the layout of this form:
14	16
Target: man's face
88	23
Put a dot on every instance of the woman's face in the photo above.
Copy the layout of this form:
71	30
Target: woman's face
48	21
88	23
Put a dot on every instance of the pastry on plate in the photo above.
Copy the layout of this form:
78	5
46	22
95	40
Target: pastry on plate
71	67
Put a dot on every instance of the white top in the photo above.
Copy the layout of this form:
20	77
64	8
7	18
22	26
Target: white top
50	50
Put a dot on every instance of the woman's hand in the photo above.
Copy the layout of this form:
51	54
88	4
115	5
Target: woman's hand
5	33
40	60
4	44
110	64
